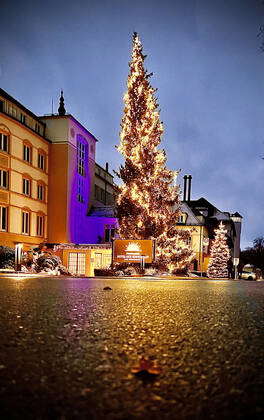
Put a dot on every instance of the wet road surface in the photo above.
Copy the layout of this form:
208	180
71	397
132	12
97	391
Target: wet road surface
68	347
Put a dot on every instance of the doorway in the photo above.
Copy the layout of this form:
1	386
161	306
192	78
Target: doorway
76	263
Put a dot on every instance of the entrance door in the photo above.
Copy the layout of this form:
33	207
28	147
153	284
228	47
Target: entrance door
76	263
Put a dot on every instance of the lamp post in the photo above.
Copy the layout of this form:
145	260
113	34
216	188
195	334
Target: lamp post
18	254
235	263
204	242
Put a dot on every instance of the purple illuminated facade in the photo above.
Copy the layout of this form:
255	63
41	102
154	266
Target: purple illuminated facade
71	193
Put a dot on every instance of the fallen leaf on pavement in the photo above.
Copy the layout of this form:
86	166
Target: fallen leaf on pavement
146	368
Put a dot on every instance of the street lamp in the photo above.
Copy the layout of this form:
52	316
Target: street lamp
18	254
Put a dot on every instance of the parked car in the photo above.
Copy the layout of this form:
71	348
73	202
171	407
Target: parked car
248	275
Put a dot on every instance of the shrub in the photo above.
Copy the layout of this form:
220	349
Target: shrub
7	257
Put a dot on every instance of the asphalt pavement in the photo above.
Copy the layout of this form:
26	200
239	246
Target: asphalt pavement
141	348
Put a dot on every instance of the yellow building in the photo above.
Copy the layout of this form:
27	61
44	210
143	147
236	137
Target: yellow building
201	218
24	167
49	184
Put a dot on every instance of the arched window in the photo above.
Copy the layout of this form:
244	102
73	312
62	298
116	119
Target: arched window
5	134
26	184
26	219
27	151
42	159
40	224
41	191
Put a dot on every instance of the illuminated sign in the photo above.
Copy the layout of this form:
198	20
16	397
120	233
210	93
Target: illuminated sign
129	250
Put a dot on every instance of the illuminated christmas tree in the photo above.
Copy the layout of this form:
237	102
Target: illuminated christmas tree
148	203
219	255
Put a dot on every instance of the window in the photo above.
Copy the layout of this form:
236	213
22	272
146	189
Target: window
101	195
81	157
37	127
80	195
188	241
12	110
182	218
97	260
3	219
41	192
40	225
76	263
109	234
27	151
109	199
4	140
3	179
26	186
23	118
25	222
1	106
96	192
41	161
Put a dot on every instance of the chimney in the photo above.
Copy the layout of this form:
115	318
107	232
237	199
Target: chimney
189	187
184	188
106	166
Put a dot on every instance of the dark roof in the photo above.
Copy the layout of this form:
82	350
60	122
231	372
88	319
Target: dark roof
10	98
201	203
197	205
236	214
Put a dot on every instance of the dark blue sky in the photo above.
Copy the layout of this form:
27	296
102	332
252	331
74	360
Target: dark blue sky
207	67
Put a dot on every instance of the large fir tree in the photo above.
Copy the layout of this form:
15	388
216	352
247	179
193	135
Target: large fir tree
148	203
219	255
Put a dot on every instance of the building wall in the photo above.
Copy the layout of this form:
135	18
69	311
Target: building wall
198	236
70	193
13	197
95	227
57	199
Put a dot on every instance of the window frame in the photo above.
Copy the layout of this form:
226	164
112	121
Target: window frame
42	154
22	118
2	135
82	156
40	227
27	212
182	218
27	178
109	233
7	179
41	185
27	146
5	229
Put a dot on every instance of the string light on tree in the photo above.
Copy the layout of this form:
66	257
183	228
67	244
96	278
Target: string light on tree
219	255
148	202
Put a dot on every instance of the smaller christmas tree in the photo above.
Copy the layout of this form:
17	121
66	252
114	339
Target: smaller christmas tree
219	255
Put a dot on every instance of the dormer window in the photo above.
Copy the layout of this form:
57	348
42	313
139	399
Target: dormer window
23	118
203	211
37	128
182	218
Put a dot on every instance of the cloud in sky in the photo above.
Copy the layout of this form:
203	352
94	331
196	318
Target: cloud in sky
207	67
